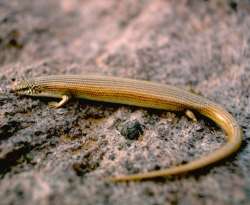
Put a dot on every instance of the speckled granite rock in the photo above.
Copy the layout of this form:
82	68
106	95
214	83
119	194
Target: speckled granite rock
61	156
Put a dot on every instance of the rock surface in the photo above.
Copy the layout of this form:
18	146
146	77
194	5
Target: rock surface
61	156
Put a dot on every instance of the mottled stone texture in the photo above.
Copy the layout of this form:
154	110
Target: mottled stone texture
50	156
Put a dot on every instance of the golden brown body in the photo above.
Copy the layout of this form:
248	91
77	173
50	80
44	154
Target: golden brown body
143	94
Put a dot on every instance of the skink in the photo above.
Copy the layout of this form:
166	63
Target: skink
144	94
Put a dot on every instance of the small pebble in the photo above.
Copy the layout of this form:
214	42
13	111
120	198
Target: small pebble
132	130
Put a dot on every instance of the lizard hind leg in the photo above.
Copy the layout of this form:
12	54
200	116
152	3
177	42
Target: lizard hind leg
64	100
191	115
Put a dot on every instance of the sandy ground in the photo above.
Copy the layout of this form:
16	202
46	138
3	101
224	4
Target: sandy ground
50	156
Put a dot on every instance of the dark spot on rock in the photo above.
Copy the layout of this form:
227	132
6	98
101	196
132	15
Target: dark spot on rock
84	167
8	128
130	167
157	167
11	158
148	191
19	192
38	132
132	130
233	5
112	156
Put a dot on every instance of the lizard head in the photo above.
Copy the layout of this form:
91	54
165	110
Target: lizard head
35	88
26	88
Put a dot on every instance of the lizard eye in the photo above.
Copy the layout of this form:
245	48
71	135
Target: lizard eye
37	89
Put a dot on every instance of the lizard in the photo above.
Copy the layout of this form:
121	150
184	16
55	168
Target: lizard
144	94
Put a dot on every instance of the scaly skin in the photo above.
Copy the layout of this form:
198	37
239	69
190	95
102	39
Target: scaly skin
143	94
